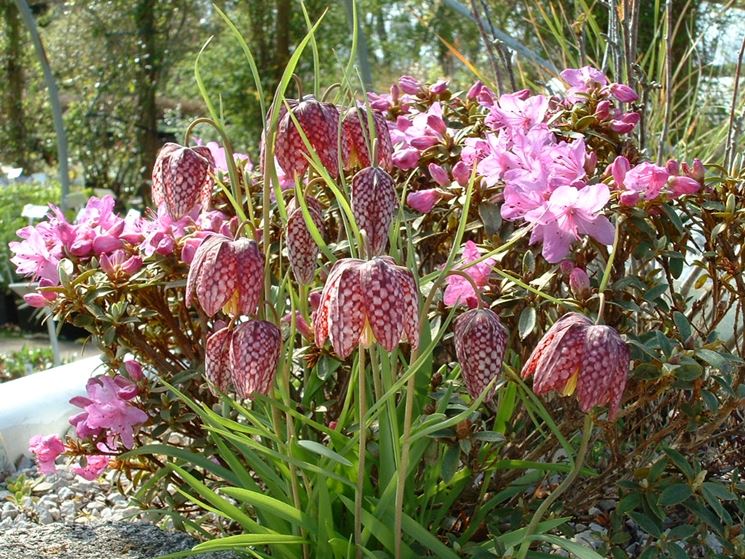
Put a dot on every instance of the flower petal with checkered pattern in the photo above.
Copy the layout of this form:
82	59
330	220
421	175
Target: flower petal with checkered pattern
374	203
302	250
254	352
182	178
480	342
217	359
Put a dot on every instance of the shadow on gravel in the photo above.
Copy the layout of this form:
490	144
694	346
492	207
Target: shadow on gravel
110	540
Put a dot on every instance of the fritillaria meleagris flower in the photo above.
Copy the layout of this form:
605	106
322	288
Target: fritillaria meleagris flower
374	203
357	138
183	178
302	250
226	273
366	301
245	356
480	341
577	354
320	124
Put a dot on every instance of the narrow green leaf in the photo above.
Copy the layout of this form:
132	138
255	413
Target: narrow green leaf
245	540
580	551
324	451
270	505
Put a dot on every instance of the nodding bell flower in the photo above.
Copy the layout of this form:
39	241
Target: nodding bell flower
226	273
358	138
245	356
366	301
576	354
374	202
320	124
480	341
302	250
182	178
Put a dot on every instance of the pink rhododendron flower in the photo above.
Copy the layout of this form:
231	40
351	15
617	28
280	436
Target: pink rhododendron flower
516	111
423	200
440	86
46	449
94	467
568	213
410	85
459	290
118	264
646	181
33	257
107	408
406	159
625	123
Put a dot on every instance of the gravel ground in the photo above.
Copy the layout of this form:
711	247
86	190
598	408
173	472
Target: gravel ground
67	517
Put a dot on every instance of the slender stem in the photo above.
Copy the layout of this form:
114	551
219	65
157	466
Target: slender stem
404	465
543	508
362	397
731	136
608	269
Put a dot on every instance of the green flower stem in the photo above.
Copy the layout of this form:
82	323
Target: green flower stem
230	160
362	397
546	504
608	269
409	409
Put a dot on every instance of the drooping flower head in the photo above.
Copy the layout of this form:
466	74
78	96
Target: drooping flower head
366	301
358	138
320	124
374	203
244	356
183	178
576	354
226	272
302	250
480	341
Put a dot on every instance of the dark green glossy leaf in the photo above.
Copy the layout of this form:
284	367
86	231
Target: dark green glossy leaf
674	494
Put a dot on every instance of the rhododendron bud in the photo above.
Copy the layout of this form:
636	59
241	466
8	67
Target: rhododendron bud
366	301
134	370
226	272
357	138
320	123
374	203
410	85
626	123
406	159
314	299
423	200
46	449
474	90
672	167
681	185
94	467
697	172
623	92
618	170
461	173
301	325
576	354
602	110
302	250
591	161
440	86
183	178
579	284
437	124
438	174
480	341
424	142
254	352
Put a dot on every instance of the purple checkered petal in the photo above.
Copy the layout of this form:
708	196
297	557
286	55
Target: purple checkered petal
254	352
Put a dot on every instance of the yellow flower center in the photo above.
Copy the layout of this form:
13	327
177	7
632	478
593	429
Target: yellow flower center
571	384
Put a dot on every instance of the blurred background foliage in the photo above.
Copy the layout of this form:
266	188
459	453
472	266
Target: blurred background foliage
126	68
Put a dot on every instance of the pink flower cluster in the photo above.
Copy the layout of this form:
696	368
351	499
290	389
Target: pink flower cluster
47	448
647	181
120	243
107	410
545	180
413	133
405	93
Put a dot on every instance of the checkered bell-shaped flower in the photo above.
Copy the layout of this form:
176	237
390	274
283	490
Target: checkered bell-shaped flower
576	354
320	124
374	203
226	273
357	138
480	342
217	359
254	352
366	301
182	178
302	250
